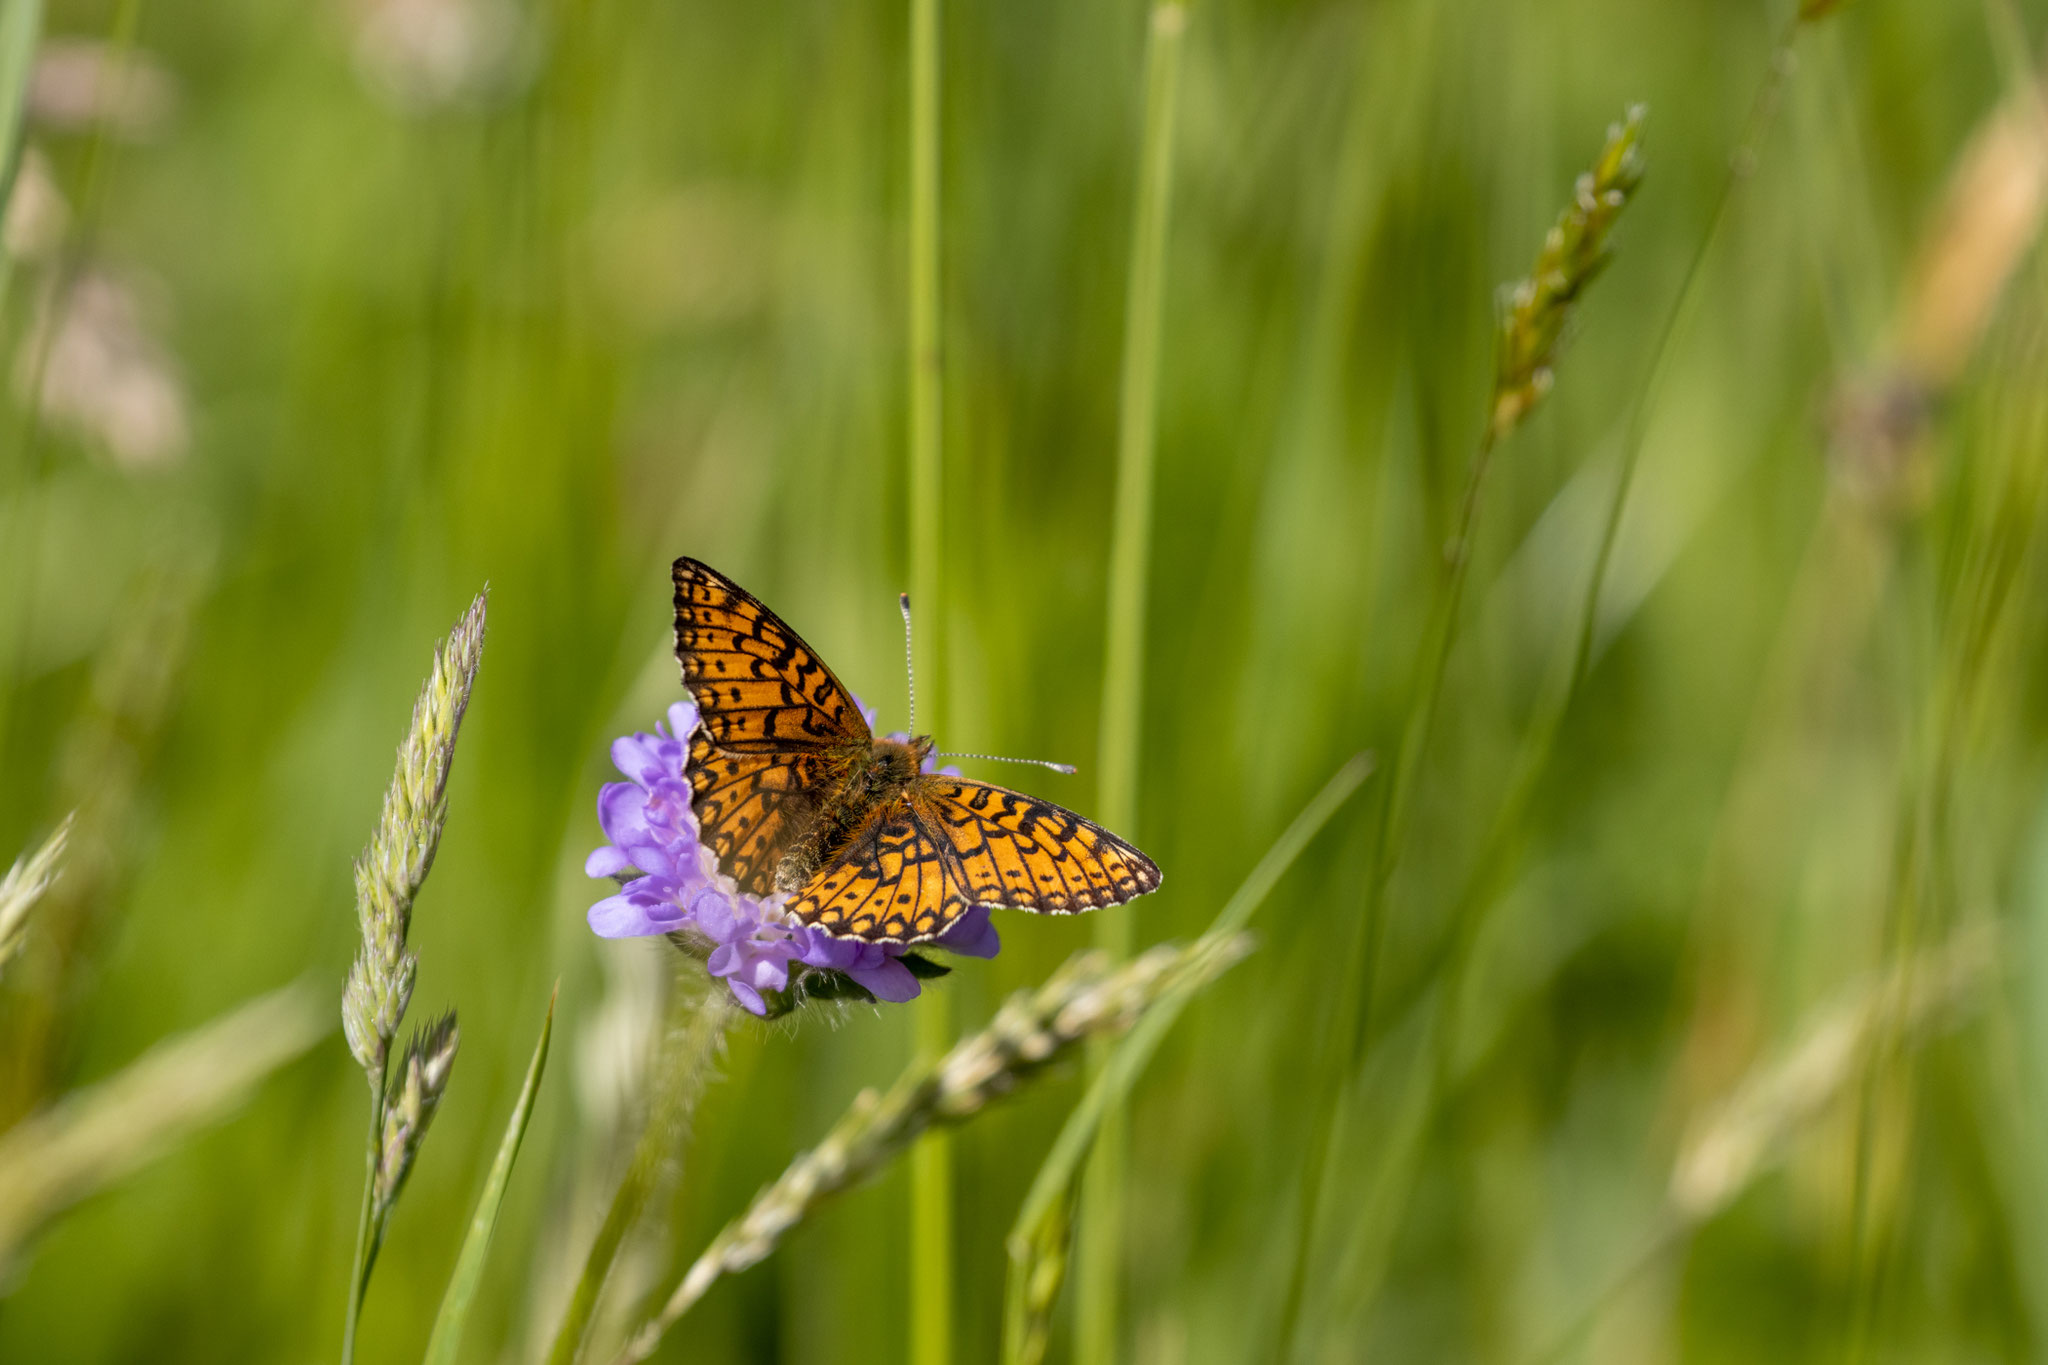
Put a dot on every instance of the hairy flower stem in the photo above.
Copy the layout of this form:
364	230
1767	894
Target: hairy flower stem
697	1022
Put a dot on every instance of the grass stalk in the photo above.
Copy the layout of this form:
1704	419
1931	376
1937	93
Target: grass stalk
1537	746
1123	675
697	1022
359	1263
929	1309
1534	313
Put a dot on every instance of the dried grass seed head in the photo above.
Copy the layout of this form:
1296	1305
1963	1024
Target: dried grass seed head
25	884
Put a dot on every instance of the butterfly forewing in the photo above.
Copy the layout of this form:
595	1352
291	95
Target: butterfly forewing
774	726
750	807
759	688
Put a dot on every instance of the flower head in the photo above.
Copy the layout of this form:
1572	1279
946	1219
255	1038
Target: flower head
673	885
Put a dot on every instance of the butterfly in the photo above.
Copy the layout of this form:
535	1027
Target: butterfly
795	794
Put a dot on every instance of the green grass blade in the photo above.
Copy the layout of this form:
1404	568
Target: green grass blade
931	1181
446	1340
1096	1331
1046	1206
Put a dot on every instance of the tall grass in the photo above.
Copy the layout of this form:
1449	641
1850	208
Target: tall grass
1103	1207
928	1306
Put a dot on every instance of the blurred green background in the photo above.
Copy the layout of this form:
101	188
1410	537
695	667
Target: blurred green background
341	309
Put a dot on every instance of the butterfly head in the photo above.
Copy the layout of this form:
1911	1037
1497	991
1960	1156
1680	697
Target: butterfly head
895	762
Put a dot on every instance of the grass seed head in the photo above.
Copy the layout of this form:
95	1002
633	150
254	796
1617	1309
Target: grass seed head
1535	310
25	884
392	869
415	1095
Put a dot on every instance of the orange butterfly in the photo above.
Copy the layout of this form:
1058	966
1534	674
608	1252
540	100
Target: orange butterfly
795	794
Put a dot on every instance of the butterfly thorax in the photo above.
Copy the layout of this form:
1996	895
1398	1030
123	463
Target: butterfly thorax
874	775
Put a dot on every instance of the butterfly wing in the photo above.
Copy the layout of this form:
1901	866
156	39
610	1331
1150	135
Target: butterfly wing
759	688
774	726
1019	851
948	844
890	884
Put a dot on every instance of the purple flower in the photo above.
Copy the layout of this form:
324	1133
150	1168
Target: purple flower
676	887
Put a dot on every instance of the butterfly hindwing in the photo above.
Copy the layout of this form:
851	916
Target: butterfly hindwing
949	844
759	688
891	884
1018	851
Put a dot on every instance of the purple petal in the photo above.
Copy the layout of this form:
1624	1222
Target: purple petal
820	949
639	757
887	980
972	935
766	972
605	861
715	915
622	811
682	719
629	916
749	997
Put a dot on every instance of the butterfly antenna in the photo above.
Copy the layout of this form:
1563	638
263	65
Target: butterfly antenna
909	659
1067	768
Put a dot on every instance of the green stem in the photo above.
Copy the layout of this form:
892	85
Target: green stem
359	1268
930	1281
1101	1222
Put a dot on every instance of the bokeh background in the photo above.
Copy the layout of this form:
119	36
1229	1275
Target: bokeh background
340	309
